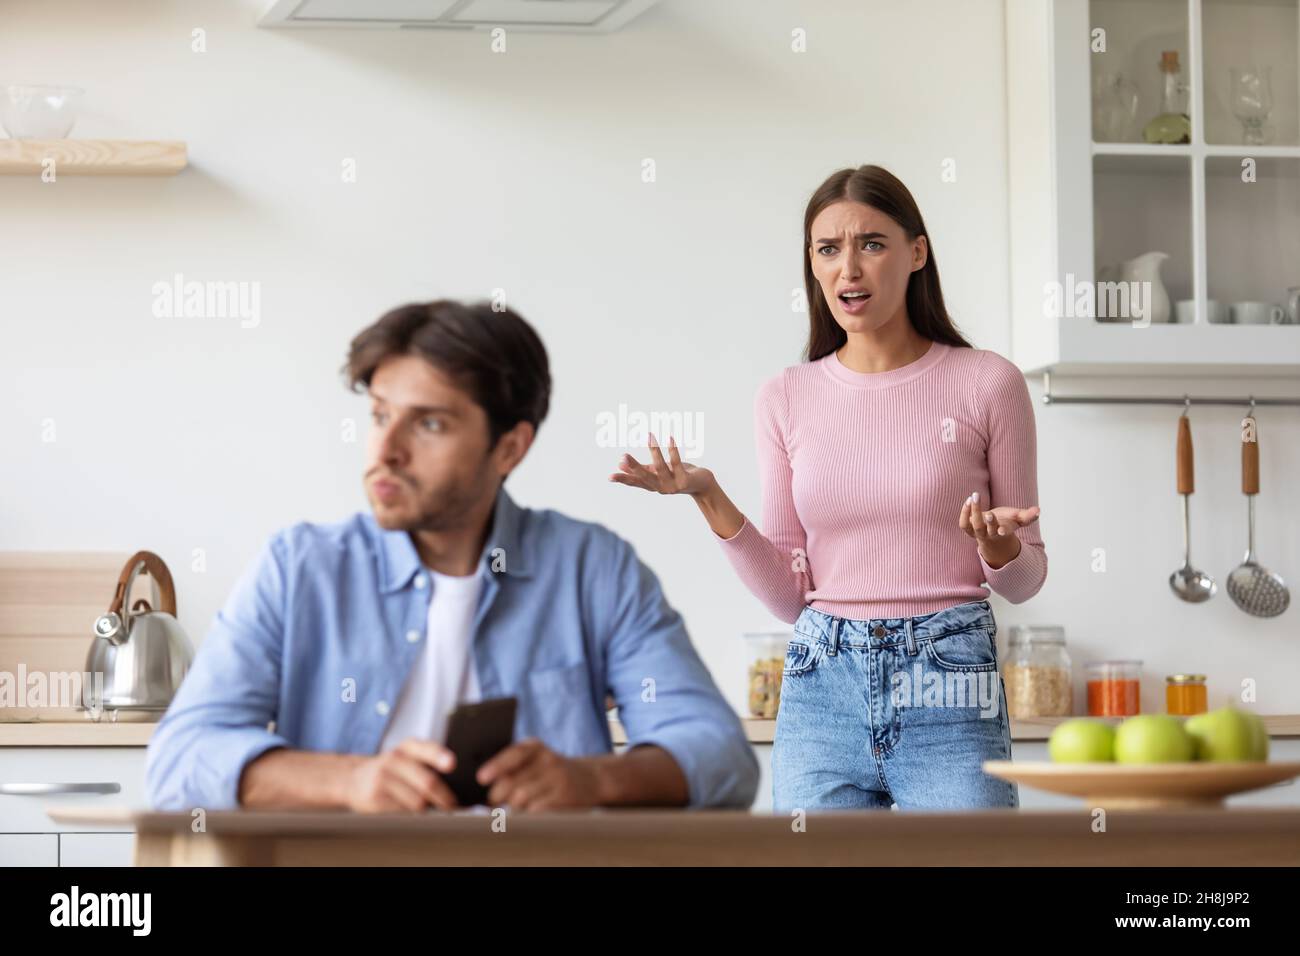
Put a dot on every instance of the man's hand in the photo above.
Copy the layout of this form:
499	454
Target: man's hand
402	779
529	776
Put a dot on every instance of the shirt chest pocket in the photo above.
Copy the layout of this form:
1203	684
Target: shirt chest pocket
561	710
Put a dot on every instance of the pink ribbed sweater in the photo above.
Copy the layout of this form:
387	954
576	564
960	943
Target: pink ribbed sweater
864	475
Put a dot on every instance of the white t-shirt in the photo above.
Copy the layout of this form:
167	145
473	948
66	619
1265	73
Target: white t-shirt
443	675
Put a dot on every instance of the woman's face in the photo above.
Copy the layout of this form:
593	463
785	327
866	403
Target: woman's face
862	259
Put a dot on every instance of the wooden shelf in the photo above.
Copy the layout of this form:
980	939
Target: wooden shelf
73	733
92	157
1080	205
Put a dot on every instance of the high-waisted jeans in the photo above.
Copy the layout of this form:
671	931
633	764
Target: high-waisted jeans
898	710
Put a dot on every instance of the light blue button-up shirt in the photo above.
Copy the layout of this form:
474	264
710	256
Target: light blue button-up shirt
312	648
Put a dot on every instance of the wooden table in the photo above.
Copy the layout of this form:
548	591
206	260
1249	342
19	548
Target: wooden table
1214	837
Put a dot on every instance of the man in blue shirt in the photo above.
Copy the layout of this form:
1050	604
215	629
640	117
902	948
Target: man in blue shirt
321	683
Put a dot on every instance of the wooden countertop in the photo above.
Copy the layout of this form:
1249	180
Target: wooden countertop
75	733
1183	837
87	733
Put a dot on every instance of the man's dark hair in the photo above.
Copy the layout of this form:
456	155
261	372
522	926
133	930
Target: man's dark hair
495	356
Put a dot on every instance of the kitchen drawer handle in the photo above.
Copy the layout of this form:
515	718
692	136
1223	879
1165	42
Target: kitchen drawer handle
44	789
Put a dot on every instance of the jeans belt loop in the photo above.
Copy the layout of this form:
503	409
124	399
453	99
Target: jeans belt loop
911	638
835	635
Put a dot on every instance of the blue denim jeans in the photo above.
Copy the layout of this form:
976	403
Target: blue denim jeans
900	710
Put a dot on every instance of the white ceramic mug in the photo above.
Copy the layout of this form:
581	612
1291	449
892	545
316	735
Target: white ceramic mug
1258	313
1215	311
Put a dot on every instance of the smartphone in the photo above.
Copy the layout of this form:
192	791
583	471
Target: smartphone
475	734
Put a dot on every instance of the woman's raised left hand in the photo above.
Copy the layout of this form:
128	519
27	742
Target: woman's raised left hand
994	529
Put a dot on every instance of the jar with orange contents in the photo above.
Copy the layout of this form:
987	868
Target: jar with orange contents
1113	688
1185	694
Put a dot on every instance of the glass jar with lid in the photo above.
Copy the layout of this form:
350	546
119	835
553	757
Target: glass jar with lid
766	659
1114	688
1185	694
1037	672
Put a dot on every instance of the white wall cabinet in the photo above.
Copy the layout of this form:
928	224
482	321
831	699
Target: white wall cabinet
1226	214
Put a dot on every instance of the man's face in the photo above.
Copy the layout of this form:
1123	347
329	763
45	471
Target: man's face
428	461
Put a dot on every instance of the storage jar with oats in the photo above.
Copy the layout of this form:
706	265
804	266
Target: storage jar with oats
1036	672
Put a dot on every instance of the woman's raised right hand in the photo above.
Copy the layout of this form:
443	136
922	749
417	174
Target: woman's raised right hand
671	477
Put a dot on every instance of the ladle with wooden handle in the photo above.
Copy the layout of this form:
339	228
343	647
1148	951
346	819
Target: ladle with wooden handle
1188	583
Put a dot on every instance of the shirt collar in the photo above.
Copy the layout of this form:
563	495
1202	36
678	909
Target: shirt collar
502	553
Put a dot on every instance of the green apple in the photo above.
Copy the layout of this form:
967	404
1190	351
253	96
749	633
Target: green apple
1153	738
1228	734
1082	741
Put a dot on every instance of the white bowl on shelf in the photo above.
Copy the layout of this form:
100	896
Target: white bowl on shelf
38	112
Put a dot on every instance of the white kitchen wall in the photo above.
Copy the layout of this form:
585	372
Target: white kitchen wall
523	171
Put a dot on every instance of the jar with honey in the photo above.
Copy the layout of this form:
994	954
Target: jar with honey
1185	694
1114	688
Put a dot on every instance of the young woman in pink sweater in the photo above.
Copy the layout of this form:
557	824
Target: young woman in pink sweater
898	474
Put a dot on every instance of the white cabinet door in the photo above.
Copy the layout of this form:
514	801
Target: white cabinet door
21	767
29	849
96	849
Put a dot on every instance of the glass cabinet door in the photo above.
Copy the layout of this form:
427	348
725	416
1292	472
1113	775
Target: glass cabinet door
1249	72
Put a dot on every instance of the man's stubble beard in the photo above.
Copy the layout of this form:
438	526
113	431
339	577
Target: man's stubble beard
450	508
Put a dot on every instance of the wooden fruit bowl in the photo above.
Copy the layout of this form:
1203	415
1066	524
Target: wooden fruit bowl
1144	786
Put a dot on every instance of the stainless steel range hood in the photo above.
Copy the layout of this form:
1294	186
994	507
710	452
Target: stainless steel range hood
556	16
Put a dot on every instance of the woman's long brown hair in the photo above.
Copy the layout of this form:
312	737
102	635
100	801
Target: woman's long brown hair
879	188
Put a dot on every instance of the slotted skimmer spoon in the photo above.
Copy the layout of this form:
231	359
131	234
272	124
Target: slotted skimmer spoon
1254	589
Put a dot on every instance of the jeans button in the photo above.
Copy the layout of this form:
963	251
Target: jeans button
879	631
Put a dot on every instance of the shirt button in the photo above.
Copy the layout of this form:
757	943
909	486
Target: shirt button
420	582
381	708
412	636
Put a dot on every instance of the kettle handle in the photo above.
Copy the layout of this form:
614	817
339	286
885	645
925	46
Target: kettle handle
157	568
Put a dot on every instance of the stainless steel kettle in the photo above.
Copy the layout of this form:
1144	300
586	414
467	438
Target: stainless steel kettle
142	653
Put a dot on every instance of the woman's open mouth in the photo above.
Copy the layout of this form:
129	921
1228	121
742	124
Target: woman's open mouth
854	301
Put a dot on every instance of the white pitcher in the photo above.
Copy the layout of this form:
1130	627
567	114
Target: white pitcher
1154	297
